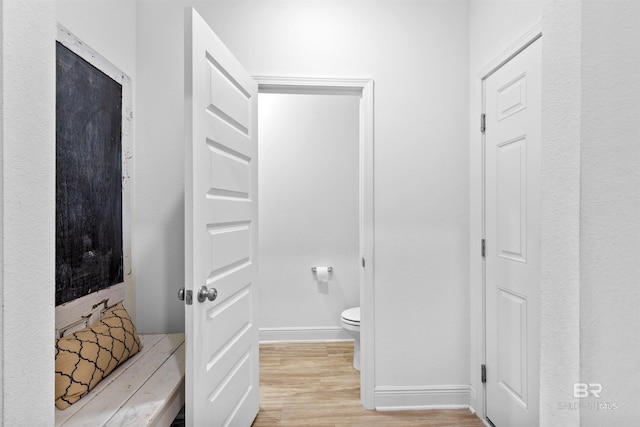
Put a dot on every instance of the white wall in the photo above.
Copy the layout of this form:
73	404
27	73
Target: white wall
159	219
610	210
309	193
560	198
28	215
28	189
417	53
2	210
494	26
590	323
560	240
108	27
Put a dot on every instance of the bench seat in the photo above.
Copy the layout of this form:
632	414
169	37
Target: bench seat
146	390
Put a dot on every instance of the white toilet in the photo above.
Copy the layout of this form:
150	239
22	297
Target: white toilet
350	320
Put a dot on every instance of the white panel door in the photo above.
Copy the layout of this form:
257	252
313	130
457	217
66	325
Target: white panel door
221	206
512	204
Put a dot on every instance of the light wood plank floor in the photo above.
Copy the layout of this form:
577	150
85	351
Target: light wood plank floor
314	384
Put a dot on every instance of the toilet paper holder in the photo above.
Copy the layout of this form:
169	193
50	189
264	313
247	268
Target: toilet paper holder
315	269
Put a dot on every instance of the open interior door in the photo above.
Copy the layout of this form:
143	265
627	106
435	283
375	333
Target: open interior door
221	229
512	201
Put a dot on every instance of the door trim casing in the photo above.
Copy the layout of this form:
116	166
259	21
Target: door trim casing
477	226
362	87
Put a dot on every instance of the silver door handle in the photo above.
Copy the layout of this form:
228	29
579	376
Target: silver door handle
181	294
204	293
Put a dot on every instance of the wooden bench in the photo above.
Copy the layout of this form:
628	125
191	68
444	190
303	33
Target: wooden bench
146	390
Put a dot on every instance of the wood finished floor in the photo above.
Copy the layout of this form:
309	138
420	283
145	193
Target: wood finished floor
314	384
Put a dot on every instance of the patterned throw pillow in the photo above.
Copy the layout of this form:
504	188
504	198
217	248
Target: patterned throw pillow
87	356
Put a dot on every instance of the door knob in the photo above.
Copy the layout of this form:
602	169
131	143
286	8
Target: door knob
181	294
204	293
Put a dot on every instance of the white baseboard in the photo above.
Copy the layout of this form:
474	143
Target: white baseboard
473	401
395	398
304	334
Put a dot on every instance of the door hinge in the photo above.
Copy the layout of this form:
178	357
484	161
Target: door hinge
362	262
483	373
484	248
483	122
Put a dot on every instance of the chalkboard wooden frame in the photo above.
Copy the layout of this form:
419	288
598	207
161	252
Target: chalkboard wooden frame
78	47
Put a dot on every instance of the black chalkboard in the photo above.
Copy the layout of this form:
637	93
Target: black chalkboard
89	251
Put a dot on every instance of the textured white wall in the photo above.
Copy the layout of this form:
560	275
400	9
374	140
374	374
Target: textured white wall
309	193
28	191
494	25
417	53
560	183
610	211
590	239
28	215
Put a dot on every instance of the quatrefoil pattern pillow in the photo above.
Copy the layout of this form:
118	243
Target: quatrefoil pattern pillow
87	356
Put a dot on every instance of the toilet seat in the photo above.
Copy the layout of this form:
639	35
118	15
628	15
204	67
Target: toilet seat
351	316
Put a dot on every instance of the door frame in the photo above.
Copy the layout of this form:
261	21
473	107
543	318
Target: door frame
478	221
362	87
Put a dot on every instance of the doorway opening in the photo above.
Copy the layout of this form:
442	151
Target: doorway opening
347	92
